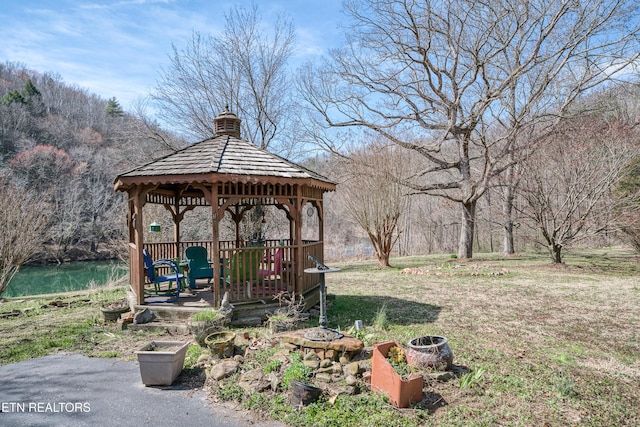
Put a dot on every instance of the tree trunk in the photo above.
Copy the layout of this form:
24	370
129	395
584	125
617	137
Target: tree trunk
465	245
508	246
507	211
556	253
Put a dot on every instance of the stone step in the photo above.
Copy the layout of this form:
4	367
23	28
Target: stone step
247	321
173	327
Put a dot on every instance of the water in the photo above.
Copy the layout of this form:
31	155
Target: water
72	276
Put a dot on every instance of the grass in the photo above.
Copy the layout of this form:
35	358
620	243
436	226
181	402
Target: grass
540	344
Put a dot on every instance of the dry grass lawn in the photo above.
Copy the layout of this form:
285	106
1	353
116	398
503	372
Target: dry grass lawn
558	345
543	345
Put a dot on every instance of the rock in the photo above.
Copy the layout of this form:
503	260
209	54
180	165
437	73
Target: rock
253	381
441	376
289	347
204	357
324	377
344	360
366	378
352	368
240	342
345	344
351	380
238	358
325	363
328	370
331	354
144	316
224	369
312	355
334	390
313	364
273	380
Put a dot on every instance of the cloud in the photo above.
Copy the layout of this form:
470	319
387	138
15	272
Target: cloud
117	48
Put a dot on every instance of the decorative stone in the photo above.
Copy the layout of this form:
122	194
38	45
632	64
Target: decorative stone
252	381
324	377
346	344
331	354
312	355
351	380
241	343
328	370
144	316
273	380
313	364
344	360
325	363
352	368
224	369
289	347
203	358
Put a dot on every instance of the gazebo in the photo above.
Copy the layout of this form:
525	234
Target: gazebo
230	176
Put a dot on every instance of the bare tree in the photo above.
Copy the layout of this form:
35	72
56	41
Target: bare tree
372	195
243	69
457	81
23	220
567	181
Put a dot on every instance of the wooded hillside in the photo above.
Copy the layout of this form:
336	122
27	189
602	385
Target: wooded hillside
66	146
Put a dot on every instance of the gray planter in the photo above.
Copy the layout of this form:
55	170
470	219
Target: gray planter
161	361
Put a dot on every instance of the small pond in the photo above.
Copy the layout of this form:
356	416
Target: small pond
72	276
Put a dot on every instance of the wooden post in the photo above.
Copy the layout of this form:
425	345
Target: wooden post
136	261
216	216
297	215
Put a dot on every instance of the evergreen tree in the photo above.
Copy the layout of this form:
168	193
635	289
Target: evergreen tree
113	108
30	91
33	98
13	97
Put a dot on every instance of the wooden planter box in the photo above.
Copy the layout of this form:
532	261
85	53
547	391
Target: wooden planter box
161	361
384	379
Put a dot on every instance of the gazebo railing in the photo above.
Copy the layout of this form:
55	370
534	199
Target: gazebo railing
253	272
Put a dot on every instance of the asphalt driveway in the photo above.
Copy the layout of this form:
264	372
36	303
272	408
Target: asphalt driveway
75	390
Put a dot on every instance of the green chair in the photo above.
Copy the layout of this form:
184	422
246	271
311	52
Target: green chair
244	268
198	264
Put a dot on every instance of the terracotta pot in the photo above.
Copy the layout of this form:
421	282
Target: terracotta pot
384	378
430	351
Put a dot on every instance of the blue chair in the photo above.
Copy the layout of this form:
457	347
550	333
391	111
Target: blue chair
176	276
198	265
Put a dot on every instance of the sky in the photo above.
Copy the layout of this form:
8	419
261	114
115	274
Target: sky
115	48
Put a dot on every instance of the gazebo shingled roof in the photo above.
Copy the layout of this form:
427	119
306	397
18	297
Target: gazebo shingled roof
223	154
222	172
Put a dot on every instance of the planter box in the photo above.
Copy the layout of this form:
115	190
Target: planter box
385	379
161	361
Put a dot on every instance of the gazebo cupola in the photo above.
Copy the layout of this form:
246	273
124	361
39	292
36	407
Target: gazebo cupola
227	123
230	177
